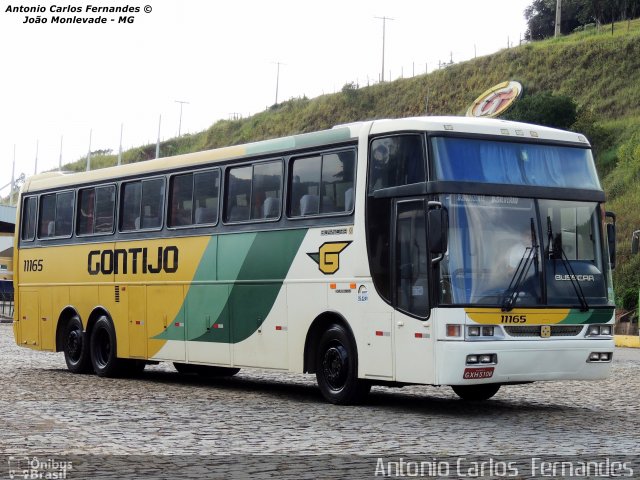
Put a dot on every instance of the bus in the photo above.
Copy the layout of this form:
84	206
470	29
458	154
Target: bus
444	251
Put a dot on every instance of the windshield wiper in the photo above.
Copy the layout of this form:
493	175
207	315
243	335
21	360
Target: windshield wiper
584	306
529	256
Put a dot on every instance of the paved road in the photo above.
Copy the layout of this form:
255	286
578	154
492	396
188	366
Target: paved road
47	411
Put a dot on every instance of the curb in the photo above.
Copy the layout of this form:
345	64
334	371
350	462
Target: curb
632	341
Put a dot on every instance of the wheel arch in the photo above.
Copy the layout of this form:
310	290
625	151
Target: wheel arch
318	326
95	314
67	314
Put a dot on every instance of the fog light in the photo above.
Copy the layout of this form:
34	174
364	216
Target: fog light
487	331
593	330
472	359
453	330
605	357
486	358
605	330
474	331
594	357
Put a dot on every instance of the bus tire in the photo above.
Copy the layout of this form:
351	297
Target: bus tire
76	347
103	349
476	393
337	368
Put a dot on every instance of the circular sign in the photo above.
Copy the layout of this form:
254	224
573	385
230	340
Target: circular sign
496	100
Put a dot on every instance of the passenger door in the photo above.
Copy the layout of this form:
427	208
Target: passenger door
411	265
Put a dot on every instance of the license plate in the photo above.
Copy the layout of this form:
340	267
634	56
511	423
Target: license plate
478	373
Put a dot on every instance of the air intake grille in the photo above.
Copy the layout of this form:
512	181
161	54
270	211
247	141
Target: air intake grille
117	293
534	330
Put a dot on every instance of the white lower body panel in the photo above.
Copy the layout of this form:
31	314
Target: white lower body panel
523	361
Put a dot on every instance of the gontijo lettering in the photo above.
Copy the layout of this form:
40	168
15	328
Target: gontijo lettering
137	260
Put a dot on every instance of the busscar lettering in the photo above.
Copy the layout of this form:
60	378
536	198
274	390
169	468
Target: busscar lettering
121	261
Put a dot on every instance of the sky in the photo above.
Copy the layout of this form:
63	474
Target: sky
62	85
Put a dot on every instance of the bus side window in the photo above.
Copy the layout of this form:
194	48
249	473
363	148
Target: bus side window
46	222
85	212
322	184
396	161
130	206
105	209
29	218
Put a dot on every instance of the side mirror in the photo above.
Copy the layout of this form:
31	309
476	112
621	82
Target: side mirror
611	238
438	228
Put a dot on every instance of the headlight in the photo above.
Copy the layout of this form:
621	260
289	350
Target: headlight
474	331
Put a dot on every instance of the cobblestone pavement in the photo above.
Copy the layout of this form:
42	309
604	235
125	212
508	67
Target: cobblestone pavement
45	409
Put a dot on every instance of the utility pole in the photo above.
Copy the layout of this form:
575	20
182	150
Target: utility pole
120	148
35	169
558	17
60	157
180	122
384	26
277	79
89	152
13	176
158	141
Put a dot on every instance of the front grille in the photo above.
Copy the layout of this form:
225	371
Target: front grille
534	330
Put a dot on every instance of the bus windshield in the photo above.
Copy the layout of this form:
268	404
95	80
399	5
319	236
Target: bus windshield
476	160
517	252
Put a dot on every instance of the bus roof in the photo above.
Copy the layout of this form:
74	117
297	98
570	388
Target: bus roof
338	134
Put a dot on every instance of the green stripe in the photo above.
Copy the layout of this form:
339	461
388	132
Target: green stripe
262	260
600	315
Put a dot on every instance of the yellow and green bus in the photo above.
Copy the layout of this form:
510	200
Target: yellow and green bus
434	250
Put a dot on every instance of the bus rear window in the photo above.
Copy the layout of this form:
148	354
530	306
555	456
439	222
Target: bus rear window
477	160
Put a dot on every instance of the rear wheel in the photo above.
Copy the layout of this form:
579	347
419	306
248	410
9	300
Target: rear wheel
476	392
337	368
76	347
103	349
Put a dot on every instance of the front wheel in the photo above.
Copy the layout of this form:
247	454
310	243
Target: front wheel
476	392
76	347
337	368
103	349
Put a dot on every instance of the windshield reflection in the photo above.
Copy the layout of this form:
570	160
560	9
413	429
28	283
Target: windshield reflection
495	254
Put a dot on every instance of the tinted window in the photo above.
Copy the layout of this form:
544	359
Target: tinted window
29	218
254	192
322	184
267	184
142	204
194	198
95	210
56	215
395	161
105	209
473	160
47	220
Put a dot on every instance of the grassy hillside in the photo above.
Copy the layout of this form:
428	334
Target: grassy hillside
599	71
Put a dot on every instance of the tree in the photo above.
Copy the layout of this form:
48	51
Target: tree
544	108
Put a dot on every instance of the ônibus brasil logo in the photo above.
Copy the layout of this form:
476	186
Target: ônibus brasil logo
496	100
328	256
